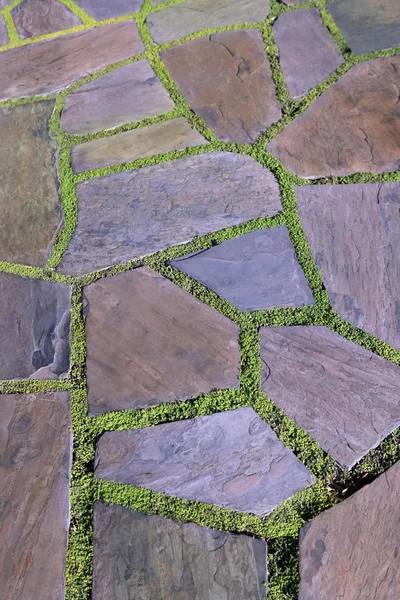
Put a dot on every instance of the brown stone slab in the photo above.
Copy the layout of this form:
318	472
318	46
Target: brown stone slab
109	9
35	449
233	90
344	396
37	17
3	32
149	341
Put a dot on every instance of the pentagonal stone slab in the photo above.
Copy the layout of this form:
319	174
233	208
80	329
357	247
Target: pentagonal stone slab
37	17
233	90
164	559
344	396
104	9
258	270
230	459
3	32
351	550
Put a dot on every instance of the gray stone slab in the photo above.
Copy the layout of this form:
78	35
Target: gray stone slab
4	3
3	32
231	459
37	17
164	559
109	9
344	396
258	270
166	207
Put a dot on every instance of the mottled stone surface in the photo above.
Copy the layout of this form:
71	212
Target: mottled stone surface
345	397
4	3
46	66
3	32
35	449
307	51
233	90
258	270
164	559
156	207
231	459
129	93
353	127
34	328
351	550
109	9
37	17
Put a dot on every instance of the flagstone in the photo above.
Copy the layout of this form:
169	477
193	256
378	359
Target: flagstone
4	3
3	32
104	9
37	17
291	2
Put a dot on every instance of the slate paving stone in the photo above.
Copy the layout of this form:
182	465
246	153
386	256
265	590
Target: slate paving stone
258	270
164	559
37	17
307	51
233	90
106	9
344	396
351	550
149	341
159	206
3	32
4	3
35	448
231	459
34	328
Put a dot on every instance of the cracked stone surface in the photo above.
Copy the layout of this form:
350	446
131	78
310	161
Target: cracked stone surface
37	17
3	32
345	397
104	9
233	90
258	270
231	459
165	559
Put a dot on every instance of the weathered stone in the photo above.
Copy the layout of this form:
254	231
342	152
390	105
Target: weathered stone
351	550
3	32
46	66
149	341
258	270
104	9
164	559
34	328
231	459
35	449
37	17
307	51
345	397
159	206
291	2
4	3
233	90
129	93
353	127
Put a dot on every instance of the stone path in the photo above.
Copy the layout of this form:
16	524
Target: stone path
199	299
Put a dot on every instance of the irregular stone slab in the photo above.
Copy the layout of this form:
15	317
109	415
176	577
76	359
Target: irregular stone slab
129	93
4	3
291	2
35	448
258	270
46	66
233	90
164	559
3	32
149	341
351	550
34	328
37	17
104	9
345	397
159	206
231	459
353	127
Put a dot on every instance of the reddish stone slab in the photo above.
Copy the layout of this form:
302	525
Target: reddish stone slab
3	32
109	9
37	17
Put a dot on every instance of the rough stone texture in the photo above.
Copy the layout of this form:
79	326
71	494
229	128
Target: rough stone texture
307	51
258	270
164	559
37	17
129	93
159	206
46	66
106	9
34	328
346	397
35	449
4	3
353	127
231	459
233	90
125	147
195	15
3	32
351	550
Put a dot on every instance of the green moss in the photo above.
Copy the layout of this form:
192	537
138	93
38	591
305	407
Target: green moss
79	12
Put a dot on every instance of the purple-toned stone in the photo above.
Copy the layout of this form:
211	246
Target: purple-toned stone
37	17
109	9
3	32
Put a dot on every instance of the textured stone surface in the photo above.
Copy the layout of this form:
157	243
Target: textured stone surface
233	90
106	9
125	147
3	32
159	206
353	127
346	397
129	93
258	270
351	550
4	3
35	449
307	51
34	328
37	17
231	459
46	66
